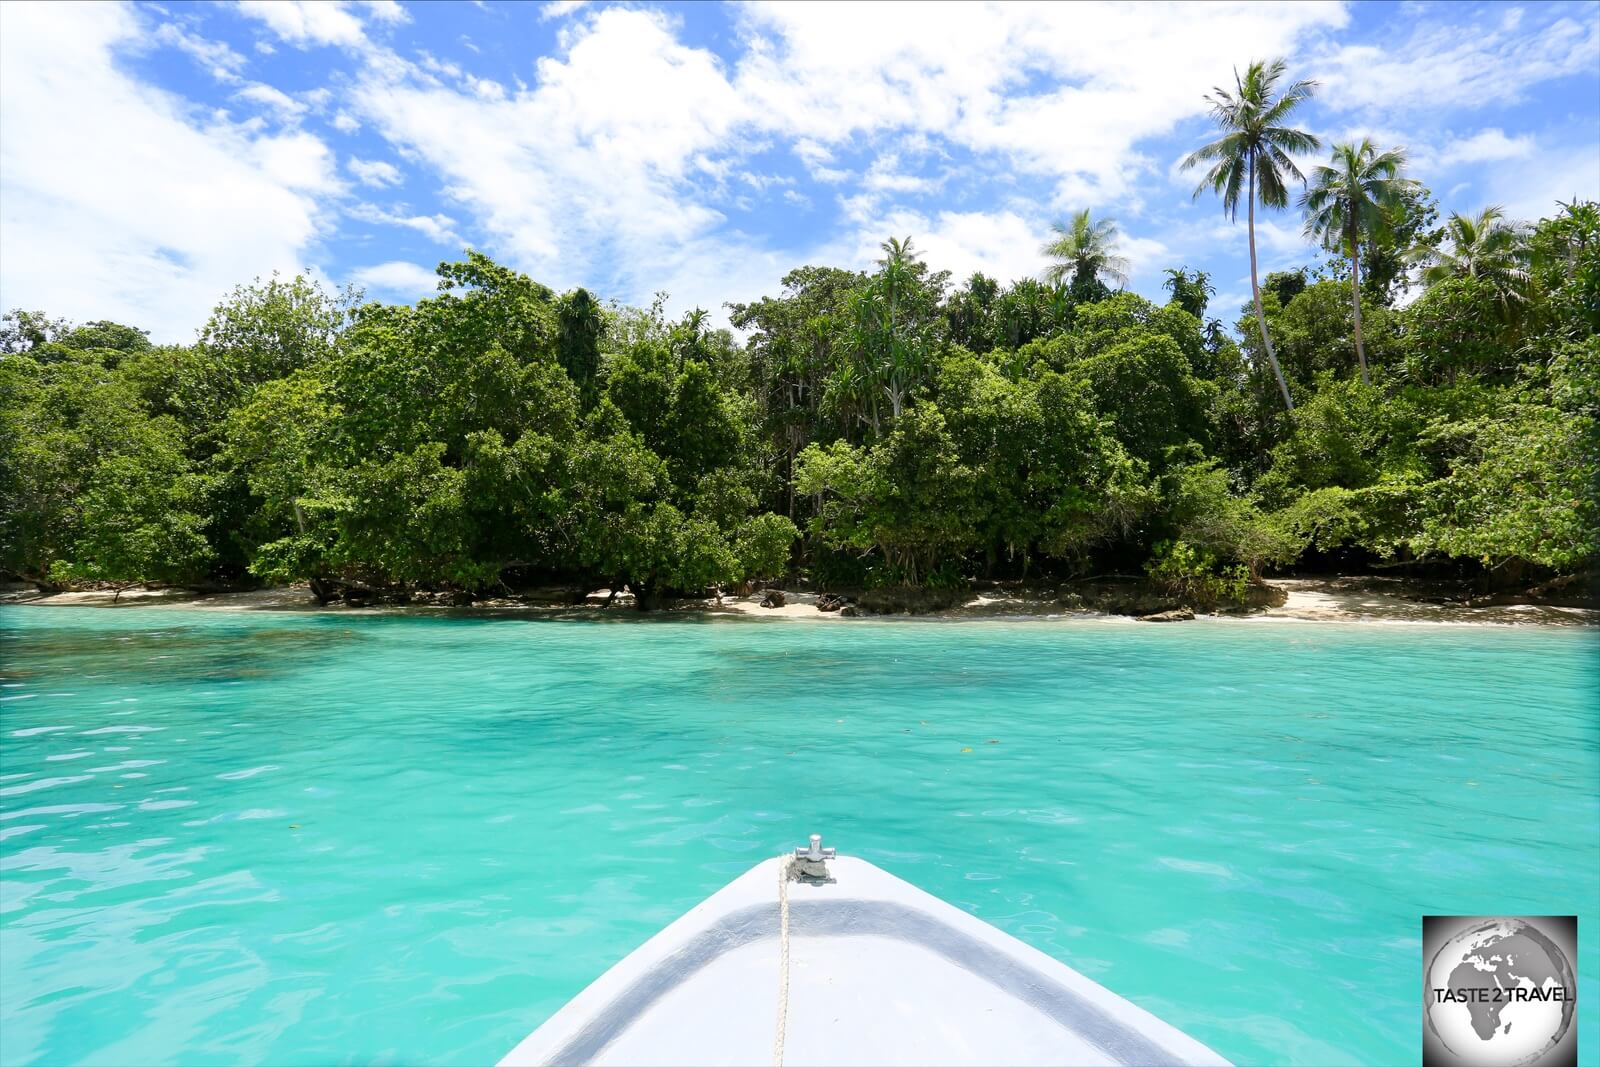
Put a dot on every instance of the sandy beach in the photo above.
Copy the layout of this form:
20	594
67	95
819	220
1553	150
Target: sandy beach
1306	600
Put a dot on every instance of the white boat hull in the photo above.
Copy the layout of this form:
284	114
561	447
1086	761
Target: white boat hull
879	973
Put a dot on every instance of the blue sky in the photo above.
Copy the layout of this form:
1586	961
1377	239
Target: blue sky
154	155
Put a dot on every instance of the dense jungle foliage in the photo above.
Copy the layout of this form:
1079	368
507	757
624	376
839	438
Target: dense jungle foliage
870	429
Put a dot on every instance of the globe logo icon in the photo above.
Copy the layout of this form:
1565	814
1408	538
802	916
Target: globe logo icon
1499	992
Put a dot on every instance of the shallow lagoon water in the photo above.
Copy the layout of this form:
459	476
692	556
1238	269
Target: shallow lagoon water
233	837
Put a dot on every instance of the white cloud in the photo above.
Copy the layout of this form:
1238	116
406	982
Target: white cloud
885	176
218	58
1276	238
438	228
1228	305
307	22
1108	75
397	278
610	170
275	99
556	9
488	90
597	164
1487	145
627	163
1001	244
816	157
1457	62
374	172
386	11
158	238
1531	193
297	161
1147	256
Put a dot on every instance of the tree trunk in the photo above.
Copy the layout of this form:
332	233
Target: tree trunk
789	482
1255	292
1355	289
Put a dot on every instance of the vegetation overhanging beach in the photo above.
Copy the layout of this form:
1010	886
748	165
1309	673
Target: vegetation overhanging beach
253	814
1419	403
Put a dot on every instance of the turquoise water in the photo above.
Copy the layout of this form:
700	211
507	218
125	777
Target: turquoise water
242	837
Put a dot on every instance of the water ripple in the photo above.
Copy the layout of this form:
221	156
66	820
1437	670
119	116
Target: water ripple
312	839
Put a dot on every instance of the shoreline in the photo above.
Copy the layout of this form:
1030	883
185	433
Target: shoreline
1319	600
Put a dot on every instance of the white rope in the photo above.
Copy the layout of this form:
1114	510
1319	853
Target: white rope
785	866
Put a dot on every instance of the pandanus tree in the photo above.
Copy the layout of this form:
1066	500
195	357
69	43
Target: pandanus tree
1486	247
1084	254
1252	156
1354	196
888	335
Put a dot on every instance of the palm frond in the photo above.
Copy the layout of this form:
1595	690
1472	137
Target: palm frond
1251	116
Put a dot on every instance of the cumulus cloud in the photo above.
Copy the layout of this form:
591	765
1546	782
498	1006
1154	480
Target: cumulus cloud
1452	62
308	22
375	172
614	168
556	9
156	237
611	165
223	63
1486	145
1064	90
437	228
273	99
634	158
1564	174
595	165
397	278
388	11
1001	244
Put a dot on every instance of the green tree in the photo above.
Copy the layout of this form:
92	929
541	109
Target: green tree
1351	198
1252	156
1315	332
93	487
909	497
1387	269
21	331
1456	327
969	311
142	518
1483	246
1029	310
580	327
1564	252
1285	285
794	349
891	331
1191	290
1520	490
1084	251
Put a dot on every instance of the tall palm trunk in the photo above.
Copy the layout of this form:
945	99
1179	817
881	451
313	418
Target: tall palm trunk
1255	292
1355	288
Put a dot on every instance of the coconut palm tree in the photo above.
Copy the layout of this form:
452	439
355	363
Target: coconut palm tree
1354	196
1486	247
1085	251
1252	156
